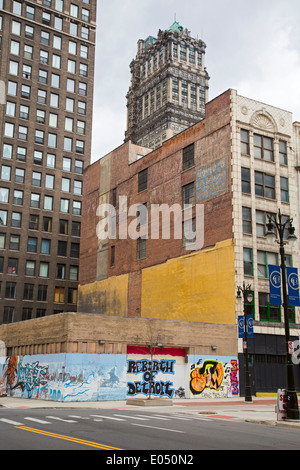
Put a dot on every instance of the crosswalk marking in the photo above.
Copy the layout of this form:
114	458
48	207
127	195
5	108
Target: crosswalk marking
133	417
9	421
108	417
154	417
37	420
61	419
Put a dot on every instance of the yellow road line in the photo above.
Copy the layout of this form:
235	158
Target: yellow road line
67	438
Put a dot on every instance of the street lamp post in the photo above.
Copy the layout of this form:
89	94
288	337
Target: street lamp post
280	226
247	295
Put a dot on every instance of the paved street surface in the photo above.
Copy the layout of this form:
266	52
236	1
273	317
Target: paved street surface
187	425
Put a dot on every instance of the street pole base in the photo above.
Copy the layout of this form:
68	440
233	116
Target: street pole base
292	410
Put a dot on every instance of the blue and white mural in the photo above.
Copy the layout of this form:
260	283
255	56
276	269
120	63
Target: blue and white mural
64	377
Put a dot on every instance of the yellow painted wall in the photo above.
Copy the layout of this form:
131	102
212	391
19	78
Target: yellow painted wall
197	287
108	296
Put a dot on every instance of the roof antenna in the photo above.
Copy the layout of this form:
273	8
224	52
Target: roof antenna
175	17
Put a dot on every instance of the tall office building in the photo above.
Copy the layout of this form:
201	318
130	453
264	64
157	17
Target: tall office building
47	50
169	87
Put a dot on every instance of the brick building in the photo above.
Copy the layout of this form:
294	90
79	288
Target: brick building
47	73
239	164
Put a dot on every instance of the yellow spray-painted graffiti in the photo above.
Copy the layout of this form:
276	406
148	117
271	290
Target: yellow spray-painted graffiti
209	375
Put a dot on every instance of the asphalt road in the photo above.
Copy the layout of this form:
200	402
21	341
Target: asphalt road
135	430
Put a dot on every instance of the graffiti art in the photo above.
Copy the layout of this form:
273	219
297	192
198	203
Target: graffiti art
209	375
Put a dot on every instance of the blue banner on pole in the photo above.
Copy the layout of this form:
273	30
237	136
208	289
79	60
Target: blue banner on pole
293	286
250	326
275	284
241	326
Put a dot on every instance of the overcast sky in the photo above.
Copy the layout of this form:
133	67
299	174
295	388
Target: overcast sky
253	46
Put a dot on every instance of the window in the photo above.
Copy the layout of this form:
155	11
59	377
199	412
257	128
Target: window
55	80
72	295
263	147
57	42
35	200
28	291
14	242
5	173
32	245
19	175
244	142
44	270
67	164
50	163
16	219
247	220
4	194
9	129
26	313
83	70
44	55
17	8
142	180
33	222
45	246
13	67
49	181
246	181
36	179
72	47
22	133
81	107
75	232
188	194
76	208
62	248
47	224
58	23
2	240
24	112
85	14
63	227
10	290
261	221
264	185
12	266
28	51
82	89
46	17
265	258
3	217
30	268
284	189
74	251
12	88
8	315
80	127
268	312
79	146
7	151
282	152
77	187
248	262
65	184
64	205
60	271
74	10
10	109
52	140
18	197
112	255
71	66
40	312
29	32
73	273
48	203
56	61
141	248
16	28
68	144
69	124
59	295
42	96
29	12
188	157
78	167
42	293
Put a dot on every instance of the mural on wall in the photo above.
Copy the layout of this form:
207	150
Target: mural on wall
160	374
213	376
65	377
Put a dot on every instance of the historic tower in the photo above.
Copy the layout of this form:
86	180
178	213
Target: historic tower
169	87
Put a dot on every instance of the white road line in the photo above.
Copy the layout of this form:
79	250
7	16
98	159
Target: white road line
79	417
61	419
132	417
154	417
108	417
9	421
155	427
177	417
37	420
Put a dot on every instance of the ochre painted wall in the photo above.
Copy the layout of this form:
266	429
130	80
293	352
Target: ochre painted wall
197	287
109	297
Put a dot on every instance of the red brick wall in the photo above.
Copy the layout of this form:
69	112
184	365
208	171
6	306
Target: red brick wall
165	180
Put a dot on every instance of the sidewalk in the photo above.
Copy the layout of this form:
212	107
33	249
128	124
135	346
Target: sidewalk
260	410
